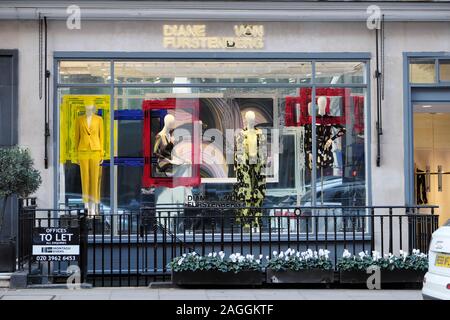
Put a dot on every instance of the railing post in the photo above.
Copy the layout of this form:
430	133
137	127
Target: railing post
391	249
372	229
83	265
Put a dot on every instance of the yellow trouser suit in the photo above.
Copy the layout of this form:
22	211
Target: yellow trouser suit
89	143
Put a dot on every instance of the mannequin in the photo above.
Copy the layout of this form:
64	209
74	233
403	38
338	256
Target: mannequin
250	171
323	135
89	145
163	149
324	139
169	165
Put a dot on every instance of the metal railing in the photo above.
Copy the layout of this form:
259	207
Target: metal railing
134	248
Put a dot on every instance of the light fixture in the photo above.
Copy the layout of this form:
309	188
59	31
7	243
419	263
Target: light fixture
427	106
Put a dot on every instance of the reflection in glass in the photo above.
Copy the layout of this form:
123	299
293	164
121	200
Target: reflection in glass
422	71
204	72
84	72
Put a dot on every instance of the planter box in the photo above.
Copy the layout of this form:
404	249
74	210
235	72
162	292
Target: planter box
7	256
387	276
301	276
217	278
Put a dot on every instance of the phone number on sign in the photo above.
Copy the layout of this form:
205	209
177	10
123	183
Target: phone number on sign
56	258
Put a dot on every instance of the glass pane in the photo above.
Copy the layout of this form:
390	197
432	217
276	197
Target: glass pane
422	71
84	134
340	161
212	72
444	70
84	72
340	72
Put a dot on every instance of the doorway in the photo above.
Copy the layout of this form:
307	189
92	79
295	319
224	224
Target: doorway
432	156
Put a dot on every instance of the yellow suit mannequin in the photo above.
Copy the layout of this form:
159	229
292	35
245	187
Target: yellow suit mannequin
89	146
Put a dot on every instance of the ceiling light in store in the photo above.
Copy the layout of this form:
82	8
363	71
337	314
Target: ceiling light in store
427	106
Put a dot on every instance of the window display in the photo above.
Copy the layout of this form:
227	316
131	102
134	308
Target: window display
250	160
206	132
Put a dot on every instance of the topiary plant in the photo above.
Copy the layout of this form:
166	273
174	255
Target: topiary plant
17	175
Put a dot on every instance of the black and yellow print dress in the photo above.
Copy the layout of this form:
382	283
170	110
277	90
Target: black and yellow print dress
250	188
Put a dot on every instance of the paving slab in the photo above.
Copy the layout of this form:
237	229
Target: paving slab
25	297
143	293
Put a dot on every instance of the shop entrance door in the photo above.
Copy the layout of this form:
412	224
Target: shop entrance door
431	123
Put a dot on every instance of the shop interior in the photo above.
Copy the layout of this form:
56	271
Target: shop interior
432	156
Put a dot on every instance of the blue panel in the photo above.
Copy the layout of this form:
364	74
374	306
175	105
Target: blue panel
127	162
128	114
430	94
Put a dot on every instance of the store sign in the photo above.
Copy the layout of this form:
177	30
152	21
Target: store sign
56	244
194	36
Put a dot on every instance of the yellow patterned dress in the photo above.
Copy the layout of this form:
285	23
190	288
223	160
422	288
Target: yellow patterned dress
250	188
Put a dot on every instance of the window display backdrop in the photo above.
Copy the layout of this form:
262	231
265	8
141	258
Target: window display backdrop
222	103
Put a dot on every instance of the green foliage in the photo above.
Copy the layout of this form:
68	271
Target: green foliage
416	261
17	175
291	260
216	261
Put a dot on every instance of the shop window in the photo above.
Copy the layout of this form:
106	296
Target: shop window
207	72
444	70
280	115
422	71
84	72
340	72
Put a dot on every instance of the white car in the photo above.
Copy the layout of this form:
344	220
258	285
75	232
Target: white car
436	283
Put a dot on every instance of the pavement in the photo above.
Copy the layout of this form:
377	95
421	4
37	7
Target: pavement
144	293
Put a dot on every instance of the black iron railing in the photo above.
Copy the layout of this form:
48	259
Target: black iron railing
134	248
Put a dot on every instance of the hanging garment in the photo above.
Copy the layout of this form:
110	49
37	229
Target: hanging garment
323	134
89	144
250	188
421	188
163	152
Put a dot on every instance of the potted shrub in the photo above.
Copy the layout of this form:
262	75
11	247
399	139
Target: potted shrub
404	268
17	177
300	267
216	269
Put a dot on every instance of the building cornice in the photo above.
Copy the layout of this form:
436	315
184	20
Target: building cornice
228	10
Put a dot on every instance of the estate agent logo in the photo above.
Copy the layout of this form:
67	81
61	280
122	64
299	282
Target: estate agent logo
188	36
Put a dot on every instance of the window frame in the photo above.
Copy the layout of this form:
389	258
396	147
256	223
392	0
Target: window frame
112	57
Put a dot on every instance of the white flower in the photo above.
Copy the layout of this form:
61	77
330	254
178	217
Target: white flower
210	254
346	254
281	255
275	253
238	254
321	252
184	255
221	255
180	261
214	254
260	257
258	261
298	254
194	253
287	258
376	255
267	258
361	254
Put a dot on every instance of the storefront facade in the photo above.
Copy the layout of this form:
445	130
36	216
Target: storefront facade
283	41
291	71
